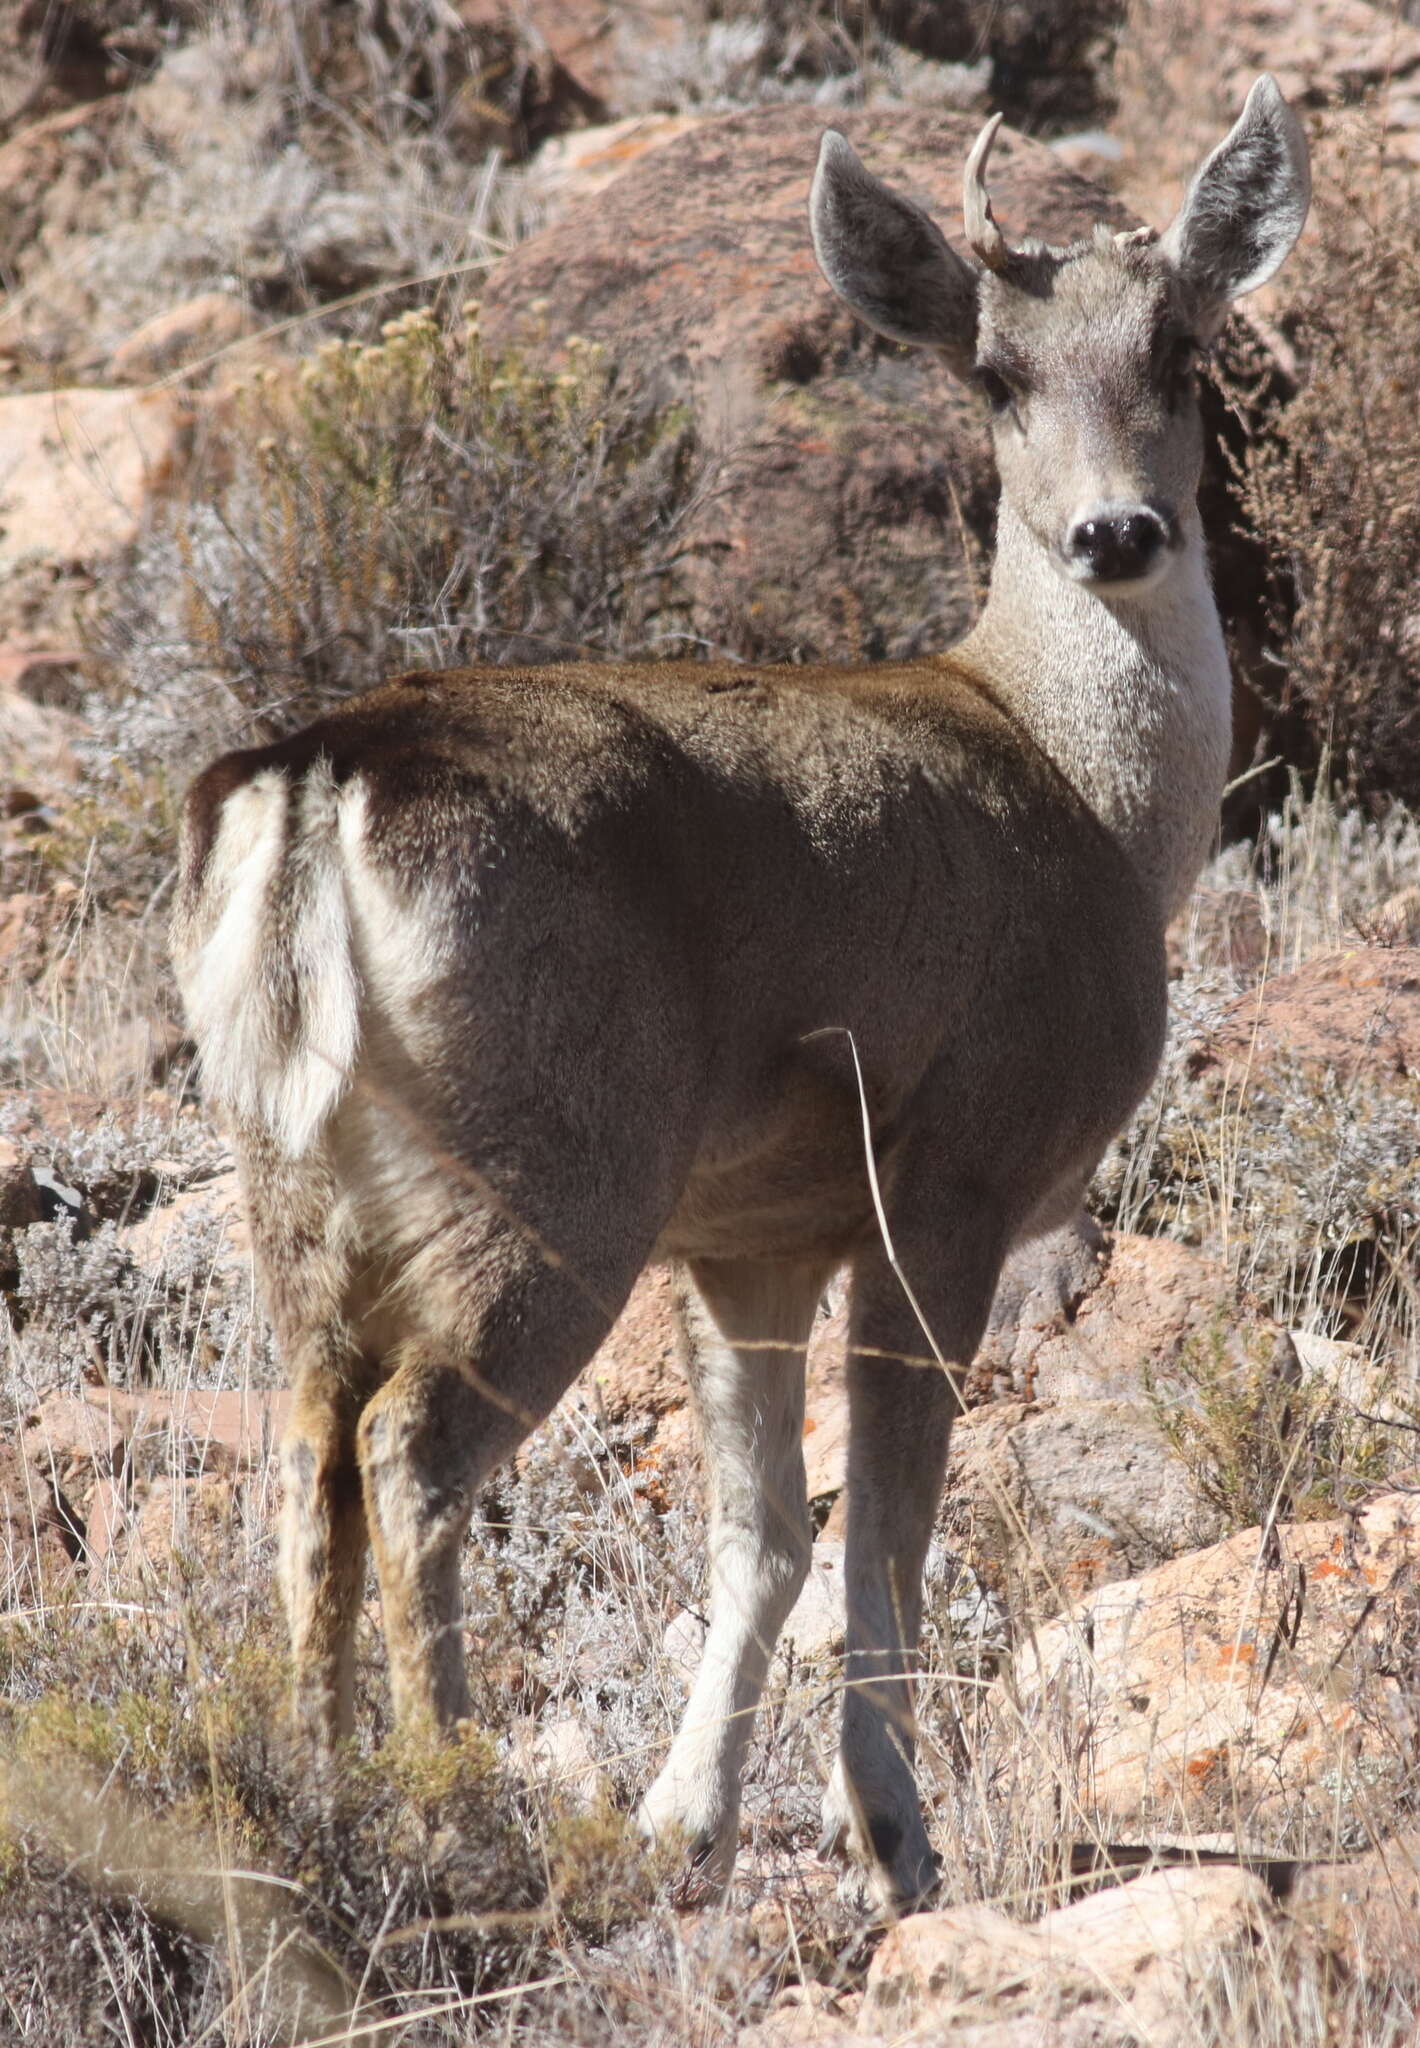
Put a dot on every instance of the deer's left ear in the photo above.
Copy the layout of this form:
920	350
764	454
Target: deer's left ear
1245	208
888	259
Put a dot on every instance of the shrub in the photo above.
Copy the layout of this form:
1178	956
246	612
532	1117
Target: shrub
414	504
1259	1445
1333	485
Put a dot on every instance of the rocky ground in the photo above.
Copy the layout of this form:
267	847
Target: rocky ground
339	338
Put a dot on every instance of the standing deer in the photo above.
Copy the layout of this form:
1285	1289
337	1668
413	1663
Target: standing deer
512	981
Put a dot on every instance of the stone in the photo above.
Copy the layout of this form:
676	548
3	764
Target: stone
583	162
20	1202
683	1642
1331	1369
813	1634
1257	1684
637	1370
1146	1302
79	468
1397	922
46	170
166	1231
76	1440
46	676
558	1756
808	2015
40	1534
1135	1956
199	328
1367	1910
137	1540
592	52
1076	1484
1041	1289
39	694
849	508
109	1434
1046	1502
1326	54
1348	1013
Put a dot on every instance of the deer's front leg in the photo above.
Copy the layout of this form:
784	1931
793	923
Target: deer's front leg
746	1327
900	1419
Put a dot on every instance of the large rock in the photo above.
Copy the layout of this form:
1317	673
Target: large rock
582	163
78	469
1106	1321
1179	83
1046	1502
598	51
637	1371
855	489
1061	1477
849	510
109	1436
1346	1014
47	170
1119	1966
1367	1910
212	1209
1260	1685
185	334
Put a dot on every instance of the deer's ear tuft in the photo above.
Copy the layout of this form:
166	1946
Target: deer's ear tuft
889	260
1246	205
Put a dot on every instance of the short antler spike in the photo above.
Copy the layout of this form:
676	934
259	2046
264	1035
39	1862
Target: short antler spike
982	232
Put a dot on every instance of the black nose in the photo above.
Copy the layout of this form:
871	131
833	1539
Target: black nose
1115	547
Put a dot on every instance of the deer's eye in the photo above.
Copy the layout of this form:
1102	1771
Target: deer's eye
999	395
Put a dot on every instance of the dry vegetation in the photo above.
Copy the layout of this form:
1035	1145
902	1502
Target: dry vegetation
170	1869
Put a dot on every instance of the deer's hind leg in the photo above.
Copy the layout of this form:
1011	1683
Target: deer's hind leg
497	1332
305	1265
746	1328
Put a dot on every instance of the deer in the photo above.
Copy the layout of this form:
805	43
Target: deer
511	982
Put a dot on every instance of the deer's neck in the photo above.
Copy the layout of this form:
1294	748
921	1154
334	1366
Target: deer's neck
1131	699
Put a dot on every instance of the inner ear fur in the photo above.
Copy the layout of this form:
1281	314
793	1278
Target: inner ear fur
1245	208
889	260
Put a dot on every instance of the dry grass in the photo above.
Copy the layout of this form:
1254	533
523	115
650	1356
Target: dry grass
165	1840
170	1869
1280	1179
170	1865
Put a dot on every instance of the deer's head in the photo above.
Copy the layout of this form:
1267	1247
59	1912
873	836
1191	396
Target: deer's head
1085	355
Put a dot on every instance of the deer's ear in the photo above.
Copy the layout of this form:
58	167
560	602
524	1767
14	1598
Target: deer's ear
888	260
1246	205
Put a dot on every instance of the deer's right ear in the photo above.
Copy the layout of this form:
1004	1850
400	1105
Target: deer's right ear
887	260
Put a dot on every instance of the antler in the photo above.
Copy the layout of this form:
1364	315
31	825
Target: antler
982	232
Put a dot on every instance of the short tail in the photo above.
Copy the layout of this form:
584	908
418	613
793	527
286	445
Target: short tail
263	949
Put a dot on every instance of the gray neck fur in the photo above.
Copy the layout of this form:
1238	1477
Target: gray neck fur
1130	698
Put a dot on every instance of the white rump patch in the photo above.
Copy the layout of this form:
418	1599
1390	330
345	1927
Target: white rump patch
272	989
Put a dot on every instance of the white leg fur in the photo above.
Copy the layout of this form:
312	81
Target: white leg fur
747	1328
